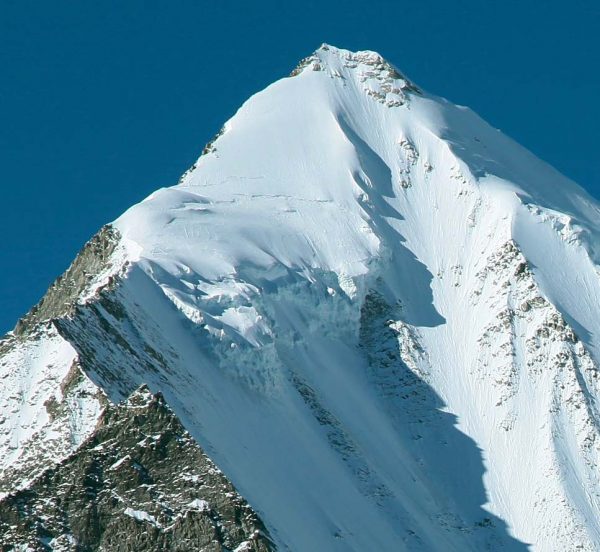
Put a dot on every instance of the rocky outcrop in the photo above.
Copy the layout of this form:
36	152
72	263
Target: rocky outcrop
140	482
93	260
379	79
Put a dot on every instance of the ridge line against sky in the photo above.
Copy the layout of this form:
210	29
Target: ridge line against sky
102	104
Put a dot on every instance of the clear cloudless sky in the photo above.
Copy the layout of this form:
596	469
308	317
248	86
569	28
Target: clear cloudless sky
103	102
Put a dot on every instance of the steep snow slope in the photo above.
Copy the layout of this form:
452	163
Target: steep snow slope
373	311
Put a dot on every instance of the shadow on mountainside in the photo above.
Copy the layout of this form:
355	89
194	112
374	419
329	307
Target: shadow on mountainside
447	465
427	480
404	275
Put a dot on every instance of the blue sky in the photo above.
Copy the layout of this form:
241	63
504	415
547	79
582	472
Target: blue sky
103	102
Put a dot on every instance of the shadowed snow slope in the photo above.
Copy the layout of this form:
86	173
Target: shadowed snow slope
374	312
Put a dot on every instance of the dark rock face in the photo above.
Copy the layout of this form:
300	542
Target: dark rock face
140	482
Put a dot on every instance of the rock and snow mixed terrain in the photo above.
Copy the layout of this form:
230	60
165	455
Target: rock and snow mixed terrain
134	485
372	311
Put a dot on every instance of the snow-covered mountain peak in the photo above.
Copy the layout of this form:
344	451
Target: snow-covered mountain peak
376	313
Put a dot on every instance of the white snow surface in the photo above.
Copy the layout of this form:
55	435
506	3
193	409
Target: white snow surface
379	315
199	504
33	375
141	515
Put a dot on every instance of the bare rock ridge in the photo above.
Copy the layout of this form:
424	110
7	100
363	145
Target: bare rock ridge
61	297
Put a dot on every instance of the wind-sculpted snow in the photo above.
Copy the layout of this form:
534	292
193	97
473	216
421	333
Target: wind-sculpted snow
375	313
